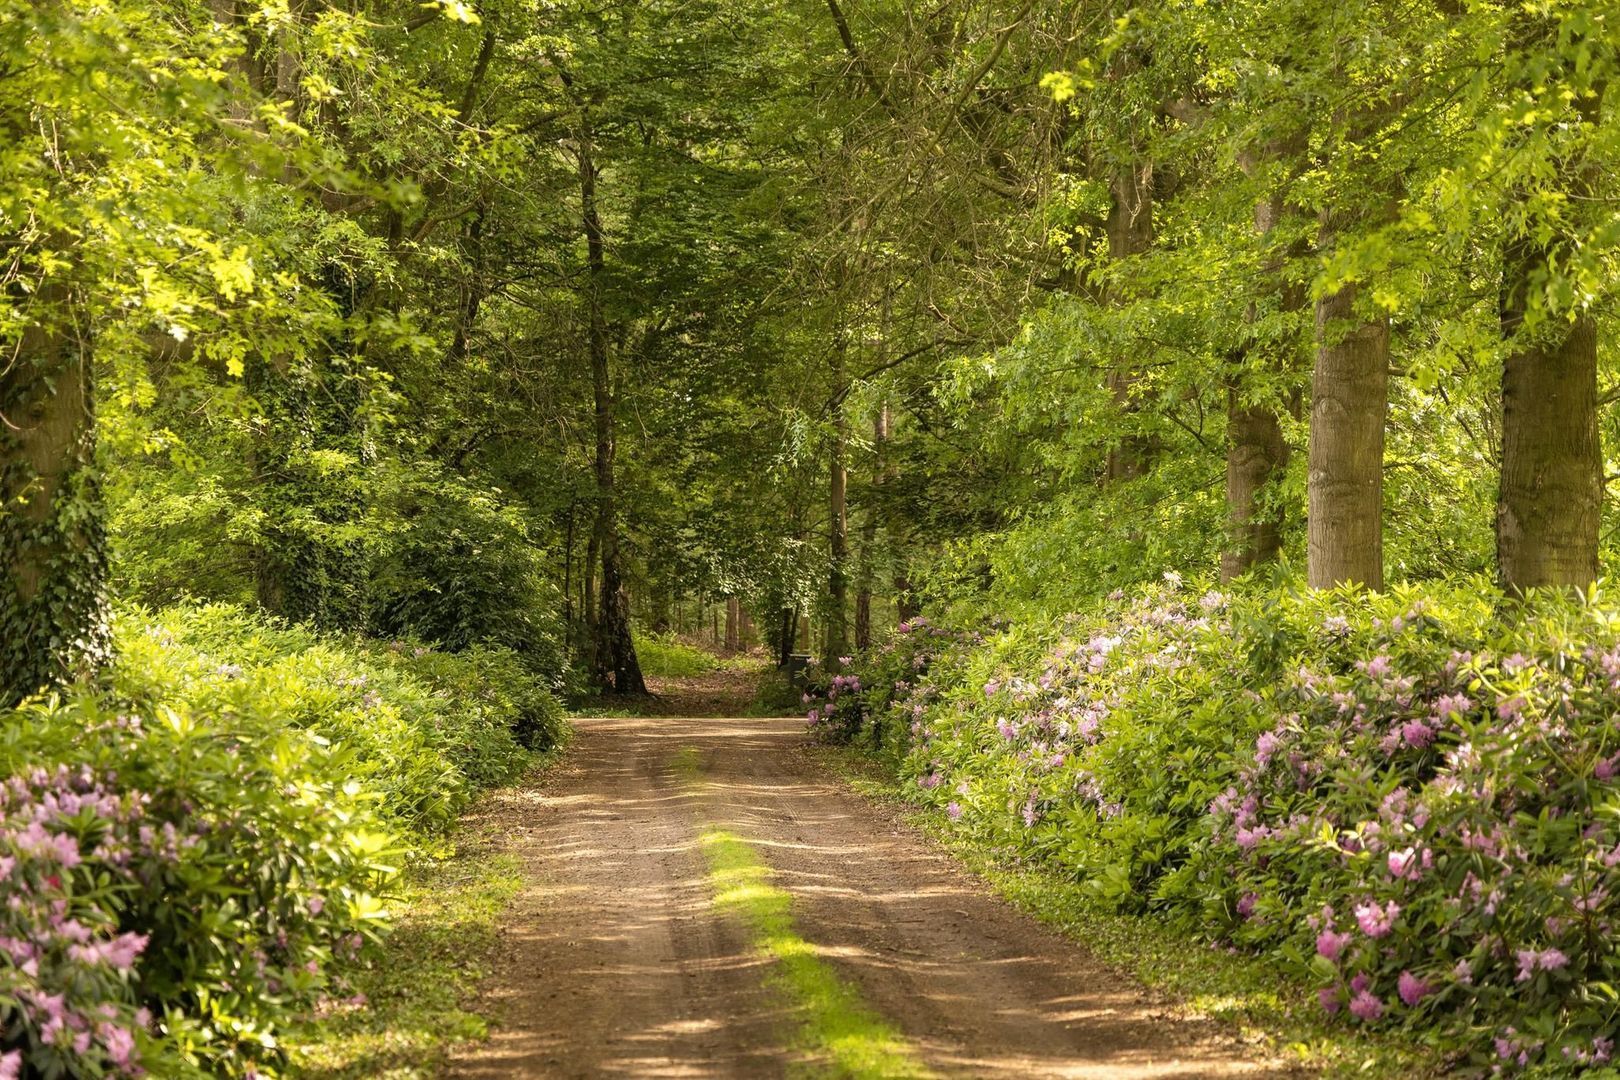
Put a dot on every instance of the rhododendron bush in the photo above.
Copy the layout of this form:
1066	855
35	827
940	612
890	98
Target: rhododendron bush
190	859
1411	800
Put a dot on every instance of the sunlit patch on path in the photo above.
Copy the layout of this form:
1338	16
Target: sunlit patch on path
835	1023
705	900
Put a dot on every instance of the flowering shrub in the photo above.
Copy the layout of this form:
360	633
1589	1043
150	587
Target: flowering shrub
67	968
188	861
893	695
1411	799
177	887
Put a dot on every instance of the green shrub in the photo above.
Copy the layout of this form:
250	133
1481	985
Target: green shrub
427	728
203	873
186	858
668	657
1412	799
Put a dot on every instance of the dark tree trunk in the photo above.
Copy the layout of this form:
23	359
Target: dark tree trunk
869	524
733	624
1130	233
837	628
786	629
1349	397
1256	452
53	612
614	662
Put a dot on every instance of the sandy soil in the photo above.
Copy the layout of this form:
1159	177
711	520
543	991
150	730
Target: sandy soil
615	963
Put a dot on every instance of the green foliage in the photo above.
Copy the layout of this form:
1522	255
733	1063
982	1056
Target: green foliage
407	1002
248	789
1399	797
669	657
246	865
426	729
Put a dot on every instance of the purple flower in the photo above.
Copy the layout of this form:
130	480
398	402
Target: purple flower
1376	921
1329	999
1417	734
954	811
930	781
1404	864
1331	945
1245	904
1365	1007
1412	989
1376	668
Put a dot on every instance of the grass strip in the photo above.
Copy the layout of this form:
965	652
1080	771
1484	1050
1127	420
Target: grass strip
836	1026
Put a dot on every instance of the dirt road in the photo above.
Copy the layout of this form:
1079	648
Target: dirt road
617	962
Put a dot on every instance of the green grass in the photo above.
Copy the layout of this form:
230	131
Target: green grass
845	1036
420	984
667	658
1236	989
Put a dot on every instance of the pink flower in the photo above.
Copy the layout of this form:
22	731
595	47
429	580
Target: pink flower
1329	999
954	811
11	1065
1403	863
1331	945
1365	1007
1417	734
1245	904
1412	989
1376	921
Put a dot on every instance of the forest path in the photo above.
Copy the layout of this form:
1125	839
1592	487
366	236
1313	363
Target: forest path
637	950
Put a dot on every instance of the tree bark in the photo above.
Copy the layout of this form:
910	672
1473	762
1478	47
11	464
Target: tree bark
1349	397
53	610
614	662
1130	232
1550	496
837	626
1550	490
733	624
1256	452
869	524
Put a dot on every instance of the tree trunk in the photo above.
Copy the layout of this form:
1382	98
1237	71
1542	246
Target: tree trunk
1550	492
1256	452
1550	497
1130	232
787	625
733	624
837	628
53	611
613	651
869	523
1349	397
